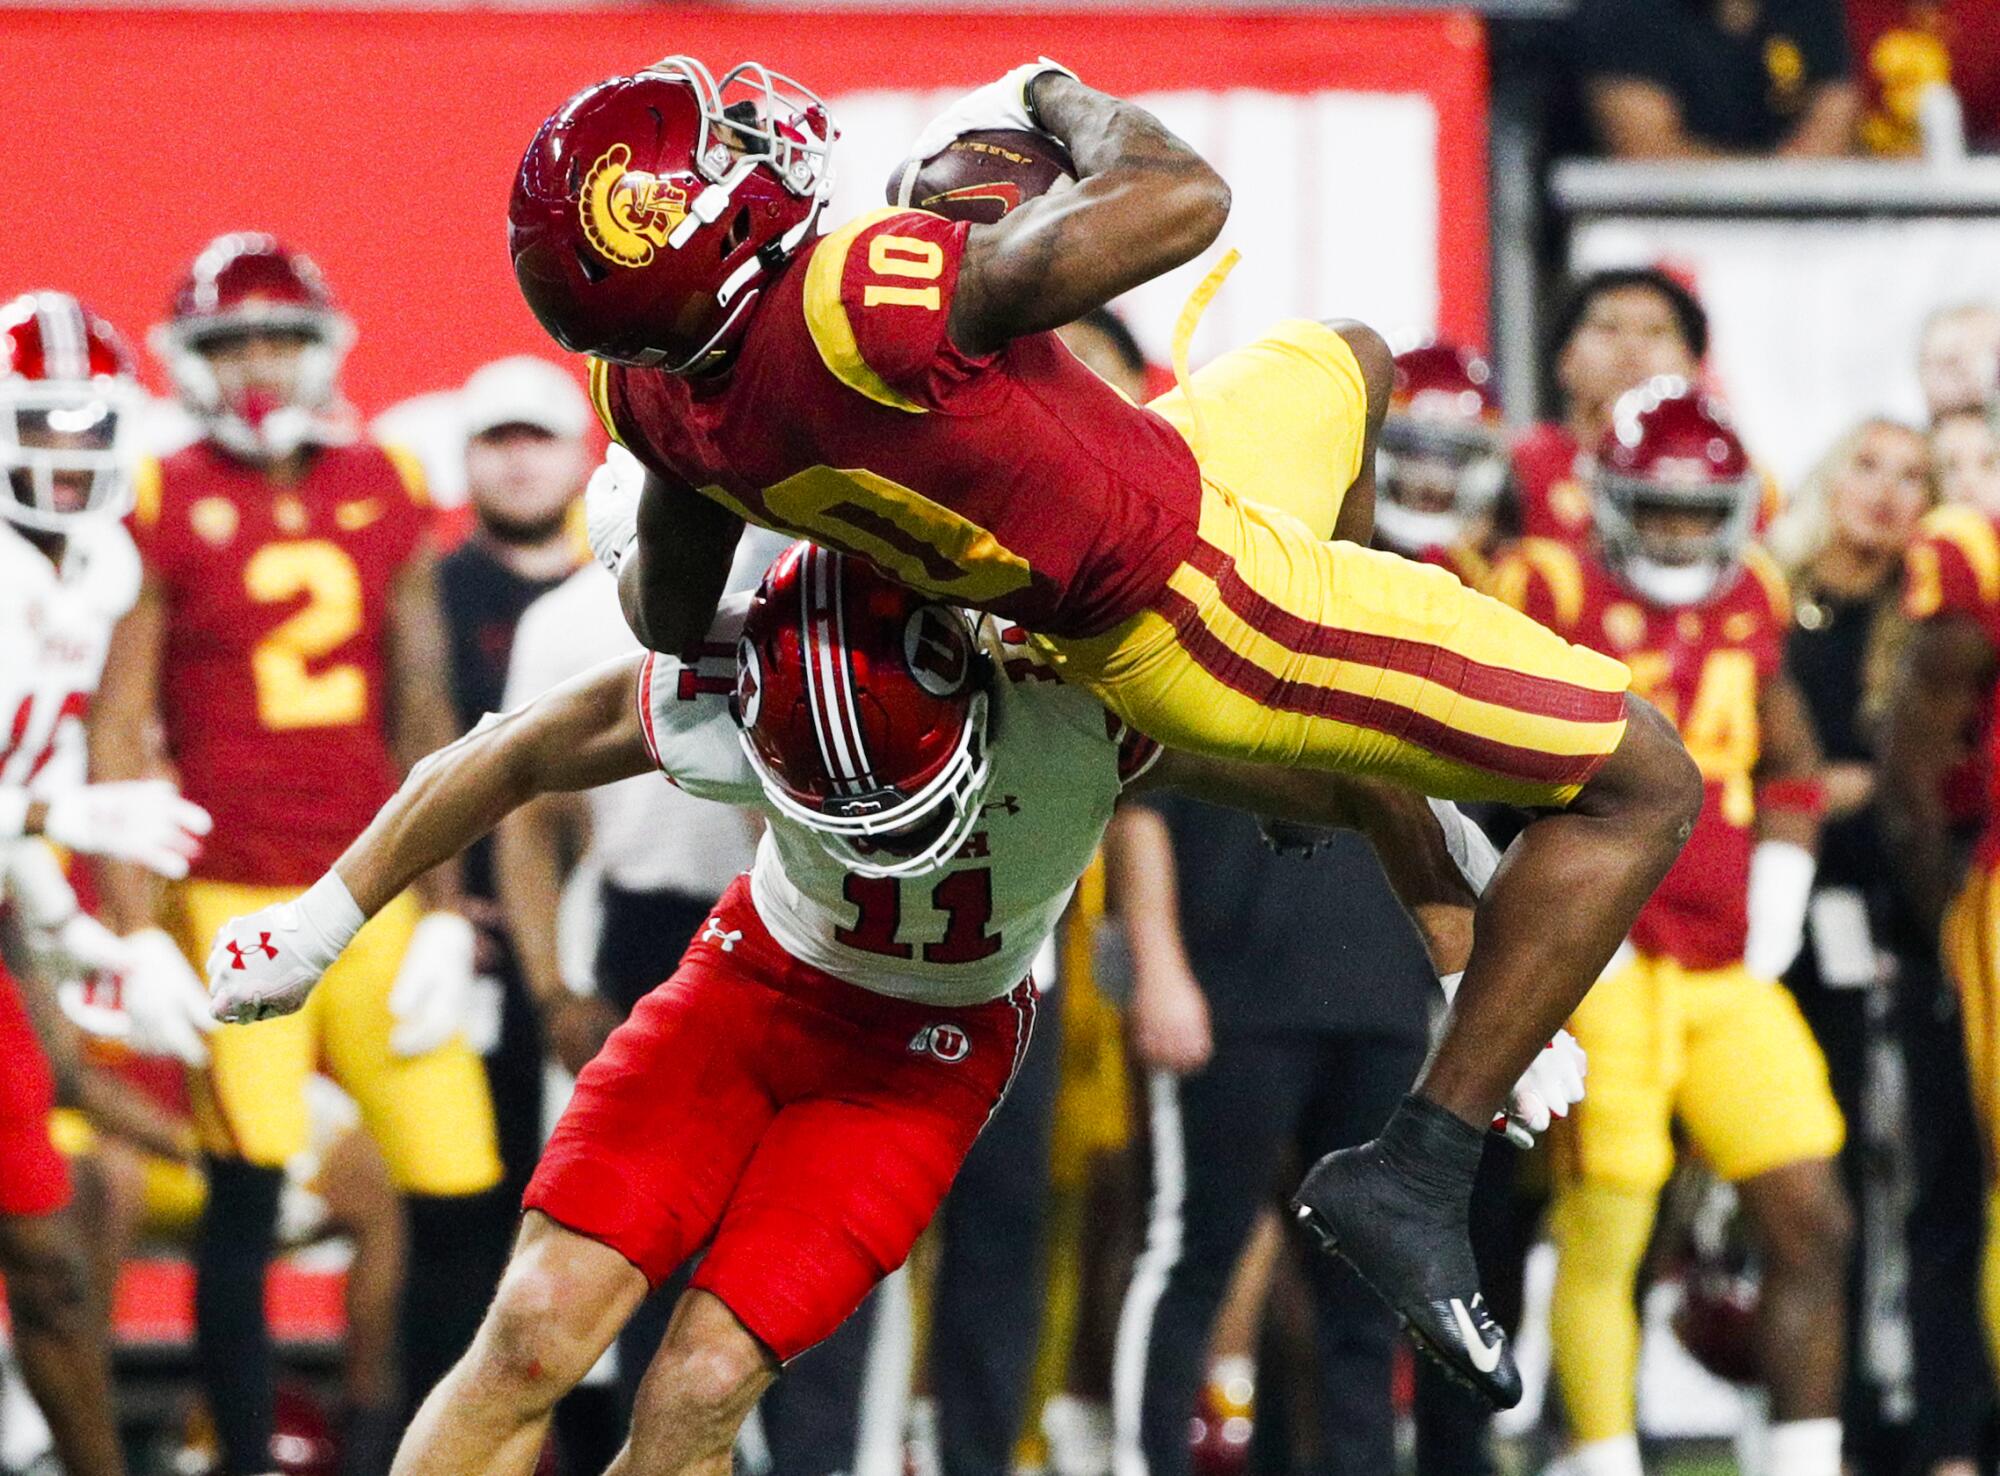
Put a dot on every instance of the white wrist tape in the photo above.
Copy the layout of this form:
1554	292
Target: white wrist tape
1781	879
1471	852
328	920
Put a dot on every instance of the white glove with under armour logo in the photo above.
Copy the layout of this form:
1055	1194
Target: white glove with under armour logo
164	1000
1001	104
433	988
266	964
141	820
1547	1090
611	506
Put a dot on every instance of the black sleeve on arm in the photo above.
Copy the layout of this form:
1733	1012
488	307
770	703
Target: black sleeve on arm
1624	38
1820	29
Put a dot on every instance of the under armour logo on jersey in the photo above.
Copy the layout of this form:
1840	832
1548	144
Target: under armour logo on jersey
714	932
262	945
947	1043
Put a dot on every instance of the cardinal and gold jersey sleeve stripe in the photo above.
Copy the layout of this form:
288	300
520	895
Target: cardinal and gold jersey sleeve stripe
600	398
1972	533
1765	570
146	492
410	472
827	321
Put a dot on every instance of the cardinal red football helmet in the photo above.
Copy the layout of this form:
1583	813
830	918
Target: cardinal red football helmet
247	283
68	407
863	709
1443	456
1670	450
650	209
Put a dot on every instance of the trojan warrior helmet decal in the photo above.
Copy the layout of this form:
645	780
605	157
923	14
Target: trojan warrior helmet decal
627	213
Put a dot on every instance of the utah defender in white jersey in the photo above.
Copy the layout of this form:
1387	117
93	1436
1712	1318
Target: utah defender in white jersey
799	1095
67	572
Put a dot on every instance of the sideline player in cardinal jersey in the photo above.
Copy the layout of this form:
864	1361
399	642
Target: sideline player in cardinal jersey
288	641
1443	461
1952	589
892	390
68	400
798	1096
1690	1022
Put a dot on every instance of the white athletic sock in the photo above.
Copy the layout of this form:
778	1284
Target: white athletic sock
1618	1456
1803	1448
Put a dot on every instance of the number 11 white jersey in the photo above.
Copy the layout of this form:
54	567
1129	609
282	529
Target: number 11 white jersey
959	935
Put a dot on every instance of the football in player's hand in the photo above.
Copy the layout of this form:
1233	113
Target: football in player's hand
980	176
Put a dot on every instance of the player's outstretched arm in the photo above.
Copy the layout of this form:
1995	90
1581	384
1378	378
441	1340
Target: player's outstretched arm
582	734
1144	203
1407	835
1789	801
1947	670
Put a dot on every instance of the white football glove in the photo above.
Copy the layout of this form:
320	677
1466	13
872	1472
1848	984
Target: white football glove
433	988
165	1000
141	820
1547	1090
267	963
611	506
1781	881
1001	104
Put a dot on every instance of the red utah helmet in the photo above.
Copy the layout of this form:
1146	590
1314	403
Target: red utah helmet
248	282
1443	455
863	709
650	209
1670	449
69	403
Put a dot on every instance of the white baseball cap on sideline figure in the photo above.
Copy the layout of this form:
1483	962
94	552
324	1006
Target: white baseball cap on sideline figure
524	390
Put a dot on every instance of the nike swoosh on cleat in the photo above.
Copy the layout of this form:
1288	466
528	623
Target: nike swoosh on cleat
1483	1358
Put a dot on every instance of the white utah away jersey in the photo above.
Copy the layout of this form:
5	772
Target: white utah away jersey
968	931
55	626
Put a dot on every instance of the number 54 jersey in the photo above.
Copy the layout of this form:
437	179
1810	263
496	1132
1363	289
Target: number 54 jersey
1704	666
959	935
276	603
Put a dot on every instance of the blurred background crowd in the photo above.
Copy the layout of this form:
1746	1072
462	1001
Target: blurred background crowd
1678	285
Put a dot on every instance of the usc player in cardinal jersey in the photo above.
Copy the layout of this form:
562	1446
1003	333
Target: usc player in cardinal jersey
288	644
1443	461
894	390
1952	589
1690	1022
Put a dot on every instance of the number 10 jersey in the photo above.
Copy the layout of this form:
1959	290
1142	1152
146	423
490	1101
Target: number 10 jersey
274	655
959	935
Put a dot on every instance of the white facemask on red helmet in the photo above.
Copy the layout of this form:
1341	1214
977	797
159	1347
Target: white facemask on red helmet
246	283
1442	462
1670	449
69	407
863	709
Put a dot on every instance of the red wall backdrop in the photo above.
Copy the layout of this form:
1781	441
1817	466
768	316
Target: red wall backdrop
385	142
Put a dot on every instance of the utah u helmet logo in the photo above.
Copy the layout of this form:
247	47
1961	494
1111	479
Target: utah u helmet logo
946	1043
627	213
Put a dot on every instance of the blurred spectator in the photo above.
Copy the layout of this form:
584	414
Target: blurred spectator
1965	460
1958	358
1613	331
1710	79
1261	1038
1902	47
1841	545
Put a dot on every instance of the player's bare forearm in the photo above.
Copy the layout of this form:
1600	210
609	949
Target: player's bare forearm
115	1108
1947	668
532	847
674	577
121	714
1561	902
1140	888
54	1032
1789	754
421	720
1356	523
1399	824
582	734
1143	204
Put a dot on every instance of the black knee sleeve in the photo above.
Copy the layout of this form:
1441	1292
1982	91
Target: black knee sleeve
232	1343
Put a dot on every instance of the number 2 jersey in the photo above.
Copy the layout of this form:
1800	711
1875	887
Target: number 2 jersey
1017	482
1953	569
55	627
959	935
274	656
1705	666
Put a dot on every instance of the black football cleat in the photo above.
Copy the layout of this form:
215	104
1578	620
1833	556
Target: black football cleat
1417	1257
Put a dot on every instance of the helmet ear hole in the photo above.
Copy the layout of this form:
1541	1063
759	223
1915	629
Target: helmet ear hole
738	232
593	269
